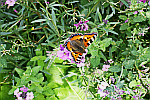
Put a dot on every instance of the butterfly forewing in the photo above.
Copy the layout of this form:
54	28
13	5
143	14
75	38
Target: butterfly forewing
89	38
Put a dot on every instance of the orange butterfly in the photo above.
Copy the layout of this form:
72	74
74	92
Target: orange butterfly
77	43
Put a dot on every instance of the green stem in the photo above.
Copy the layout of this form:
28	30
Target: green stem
93	8
140	78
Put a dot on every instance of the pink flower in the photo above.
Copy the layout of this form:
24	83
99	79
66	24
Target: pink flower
102	94
143	1
149	3
141	34
82	25
64	54
80	64
126	21
105	67
110	61
30	96
47	2
16	91
24	89
15	11
135	12
10	2
19	98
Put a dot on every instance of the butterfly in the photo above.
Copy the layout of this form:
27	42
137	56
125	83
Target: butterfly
77	43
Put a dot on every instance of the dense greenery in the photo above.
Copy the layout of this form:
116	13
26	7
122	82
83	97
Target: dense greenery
31	33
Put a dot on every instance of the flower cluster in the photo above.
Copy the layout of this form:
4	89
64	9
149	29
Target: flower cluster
101	89
106	66
115	95
82	25
10	2
23	95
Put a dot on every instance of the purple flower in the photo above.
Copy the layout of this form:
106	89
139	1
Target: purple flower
138	85
136	97
102	94
105	21
61	48
23	95
24	89
80	64
10	2
105	67
64	54
126	21
143	1
149	3
112	79
82	25
141	34
47	2
15	11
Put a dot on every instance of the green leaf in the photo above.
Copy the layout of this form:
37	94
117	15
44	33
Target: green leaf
39	20
58	60
114	48
61	92
41	63
1	69
35	70
123	17
53	17
51	98
128	64
95	61
38	58
39	97
5	33
99	15
39	89
124	26
125	2
133	84
105	43
3	63
19	71
10	14
33	79
139	19
148	14
115	68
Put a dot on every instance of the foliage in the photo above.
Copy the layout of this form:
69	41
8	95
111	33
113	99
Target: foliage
31	33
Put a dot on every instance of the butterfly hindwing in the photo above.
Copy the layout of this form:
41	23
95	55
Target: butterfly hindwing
77	56
77	43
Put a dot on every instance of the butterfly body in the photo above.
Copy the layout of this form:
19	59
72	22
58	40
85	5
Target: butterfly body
77	43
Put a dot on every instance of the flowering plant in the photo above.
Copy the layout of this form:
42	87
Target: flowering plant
35	64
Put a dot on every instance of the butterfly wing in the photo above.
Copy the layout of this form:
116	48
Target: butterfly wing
77	43
89	38
76	46
77	56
